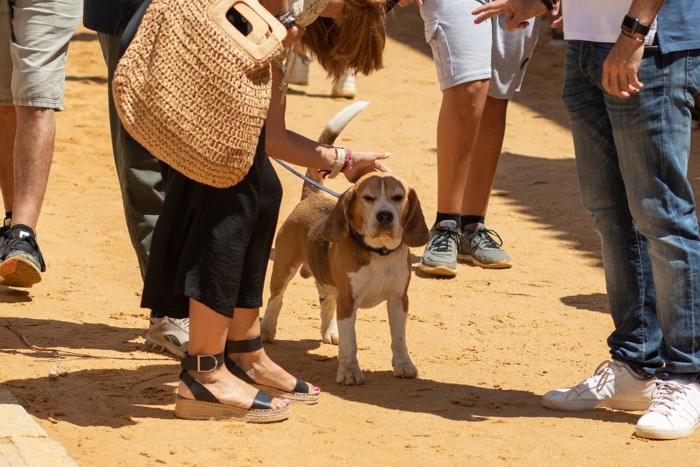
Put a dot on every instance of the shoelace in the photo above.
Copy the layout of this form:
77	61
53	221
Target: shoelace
486	238
183	323
666	396
600	376
442	237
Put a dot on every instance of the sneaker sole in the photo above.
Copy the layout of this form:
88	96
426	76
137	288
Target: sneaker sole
660	433
503	264
437	270
580	406
18	272
164	348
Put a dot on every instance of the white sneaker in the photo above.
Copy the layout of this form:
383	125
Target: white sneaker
298	69
613	385
169	335
674	412
345	86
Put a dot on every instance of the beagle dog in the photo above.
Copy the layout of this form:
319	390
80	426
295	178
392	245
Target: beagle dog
357	250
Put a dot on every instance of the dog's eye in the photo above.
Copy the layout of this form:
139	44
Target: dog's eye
368	198
397	197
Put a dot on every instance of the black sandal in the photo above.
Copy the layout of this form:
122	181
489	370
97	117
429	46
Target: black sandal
300	393
206	406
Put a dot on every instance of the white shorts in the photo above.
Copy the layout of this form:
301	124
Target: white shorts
465	52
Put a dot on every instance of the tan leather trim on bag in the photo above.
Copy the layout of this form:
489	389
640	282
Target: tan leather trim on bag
194	91
266	32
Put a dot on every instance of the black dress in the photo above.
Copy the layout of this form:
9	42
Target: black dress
213	244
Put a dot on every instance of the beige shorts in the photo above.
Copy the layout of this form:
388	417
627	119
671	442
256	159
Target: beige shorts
34	37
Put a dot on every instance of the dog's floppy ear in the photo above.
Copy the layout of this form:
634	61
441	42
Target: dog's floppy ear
415	231
337	223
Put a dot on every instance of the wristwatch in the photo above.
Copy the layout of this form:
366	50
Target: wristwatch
631	25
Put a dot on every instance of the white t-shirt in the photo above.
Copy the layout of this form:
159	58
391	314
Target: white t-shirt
596	20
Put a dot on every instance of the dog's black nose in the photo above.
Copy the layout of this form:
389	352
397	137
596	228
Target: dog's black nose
385	217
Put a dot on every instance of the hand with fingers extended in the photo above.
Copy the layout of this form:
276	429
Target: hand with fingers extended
517	12
365	162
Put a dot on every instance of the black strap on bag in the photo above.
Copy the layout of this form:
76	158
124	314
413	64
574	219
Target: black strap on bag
131	27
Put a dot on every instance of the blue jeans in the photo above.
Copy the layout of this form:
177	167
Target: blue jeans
632	161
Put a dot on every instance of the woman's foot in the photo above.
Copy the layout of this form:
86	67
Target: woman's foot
228	389
267	373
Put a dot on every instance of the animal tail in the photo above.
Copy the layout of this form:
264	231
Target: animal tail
333	129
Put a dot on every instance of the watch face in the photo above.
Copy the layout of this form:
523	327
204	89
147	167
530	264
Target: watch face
631	25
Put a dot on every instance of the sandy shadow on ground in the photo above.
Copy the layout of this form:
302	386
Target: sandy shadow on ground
105	397
12	295
116	396
452	401
67	335
597	302
109	396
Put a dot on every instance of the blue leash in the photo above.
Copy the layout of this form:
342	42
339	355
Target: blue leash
313	182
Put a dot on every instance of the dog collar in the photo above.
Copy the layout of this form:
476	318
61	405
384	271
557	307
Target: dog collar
383	251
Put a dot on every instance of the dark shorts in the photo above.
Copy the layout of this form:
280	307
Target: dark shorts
213	244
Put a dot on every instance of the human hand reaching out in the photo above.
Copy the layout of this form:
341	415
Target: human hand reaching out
517	12
365	162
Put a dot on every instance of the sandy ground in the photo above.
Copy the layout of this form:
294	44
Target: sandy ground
488	344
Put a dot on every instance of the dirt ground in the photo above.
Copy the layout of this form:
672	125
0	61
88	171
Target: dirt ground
487	344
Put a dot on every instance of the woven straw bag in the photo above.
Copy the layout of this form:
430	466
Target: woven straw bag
194	91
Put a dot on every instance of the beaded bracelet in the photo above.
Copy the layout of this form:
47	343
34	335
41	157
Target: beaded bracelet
338	165
340	155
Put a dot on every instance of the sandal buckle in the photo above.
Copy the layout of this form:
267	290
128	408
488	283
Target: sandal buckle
206	363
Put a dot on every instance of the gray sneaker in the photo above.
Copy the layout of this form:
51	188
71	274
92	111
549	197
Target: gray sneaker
440	257
482	248
169	335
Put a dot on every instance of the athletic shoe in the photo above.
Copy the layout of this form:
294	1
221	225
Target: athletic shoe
4	229
674	412
22	262
298	69
613	385
482	248
345	86
6	224
169	335
440	255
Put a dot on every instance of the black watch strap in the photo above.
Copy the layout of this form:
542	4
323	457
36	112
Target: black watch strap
631	25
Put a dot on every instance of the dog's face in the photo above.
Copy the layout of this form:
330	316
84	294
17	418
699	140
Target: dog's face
383	209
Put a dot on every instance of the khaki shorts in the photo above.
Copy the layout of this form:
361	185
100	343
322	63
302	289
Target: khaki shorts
34	37
465	52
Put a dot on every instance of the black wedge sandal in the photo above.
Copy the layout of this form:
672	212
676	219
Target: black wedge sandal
300	393
206	406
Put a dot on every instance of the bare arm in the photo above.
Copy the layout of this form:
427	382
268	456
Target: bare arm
292	147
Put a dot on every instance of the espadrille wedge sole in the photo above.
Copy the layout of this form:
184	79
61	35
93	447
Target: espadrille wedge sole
191	409
205	406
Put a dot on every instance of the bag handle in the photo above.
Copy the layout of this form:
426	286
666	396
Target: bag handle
266	35
131	27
